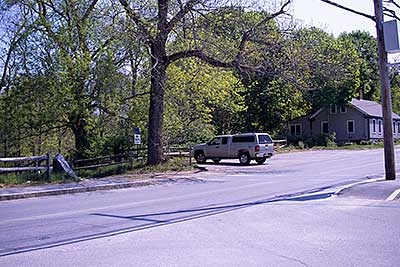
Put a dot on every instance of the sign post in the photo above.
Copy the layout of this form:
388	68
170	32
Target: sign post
386	32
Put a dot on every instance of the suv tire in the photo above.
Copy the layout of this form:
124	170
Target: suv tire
244	158
200	157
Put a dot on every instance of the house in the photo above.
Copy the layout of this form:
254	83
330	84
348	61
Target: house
360	120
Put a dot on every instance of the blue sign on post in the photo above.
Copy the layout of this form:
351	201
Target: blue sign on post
137	136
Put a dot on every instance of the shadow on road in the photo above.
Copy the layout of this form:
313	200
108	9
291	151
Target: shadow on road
153	220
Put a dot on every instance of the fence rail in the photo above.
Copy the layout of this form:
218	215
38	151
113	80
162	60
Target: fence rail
37	160
104	161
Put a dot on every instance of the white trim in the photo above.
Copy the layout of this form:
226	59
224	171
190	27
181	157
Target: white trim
379	126
354	126
322	127
316	113
295	132
373	126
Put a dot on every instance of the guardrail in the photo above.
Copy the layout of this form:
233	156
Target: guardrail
37	160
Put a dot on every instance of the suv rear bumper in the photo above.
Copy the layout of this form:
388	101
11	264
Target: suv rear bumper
264	154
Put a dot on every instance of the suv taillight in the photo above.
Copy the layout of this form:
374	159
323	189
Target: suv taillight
257	148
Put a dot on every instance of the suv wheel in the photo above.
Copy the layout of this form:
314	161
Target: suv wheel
200	157
260	161
244	158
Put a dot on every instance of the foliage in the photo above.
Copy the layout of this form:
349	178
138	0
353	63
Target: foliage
79	79
367	47
200	101
326	66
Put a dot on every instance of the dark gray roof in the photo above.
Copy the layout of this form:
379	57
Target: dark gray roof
370	108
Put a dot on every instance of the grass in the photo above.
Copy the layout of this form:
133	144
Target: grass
22	178
137	168
353	146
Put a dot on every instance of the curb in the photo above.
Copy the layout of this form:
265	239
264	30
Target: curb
395	195
72	190
88	188
337	192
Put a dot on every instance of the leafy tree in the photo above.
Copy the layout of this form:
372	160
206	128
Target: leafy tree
161	21
80	63
200	101
325	66
367	47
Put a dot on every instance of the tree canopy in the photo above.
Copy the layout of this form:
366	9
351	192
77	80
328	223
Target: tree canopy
79	76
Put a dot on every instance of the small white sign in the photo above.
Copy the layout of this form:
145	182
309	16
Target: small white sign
137	139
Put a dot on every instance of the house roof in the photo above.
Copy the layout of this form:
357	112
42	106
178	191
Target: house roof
370	108
366	107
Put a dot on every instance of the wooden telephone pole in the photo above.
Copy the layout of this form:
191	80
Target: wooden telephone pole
390	170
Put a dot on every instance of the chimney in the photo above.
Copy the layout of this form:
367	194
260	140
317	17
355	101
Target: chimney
360	94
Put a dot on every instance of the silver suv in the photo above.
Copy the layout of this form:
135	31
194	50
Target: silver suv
245	147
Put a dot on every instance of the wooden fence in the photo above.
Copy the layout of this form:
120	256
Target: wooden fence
93	163
25	164
128	157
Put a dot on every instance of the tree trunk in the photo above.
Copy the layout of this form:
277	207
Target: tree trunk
156	112
80	134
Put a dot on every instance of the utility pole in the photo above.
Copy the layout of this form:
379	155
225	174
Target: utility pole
390	170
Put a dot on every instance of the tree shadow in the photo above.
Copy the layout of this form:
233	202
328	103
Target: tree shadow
153	220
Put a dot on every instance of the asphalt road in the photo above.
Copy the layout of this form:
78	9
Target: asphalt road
283	213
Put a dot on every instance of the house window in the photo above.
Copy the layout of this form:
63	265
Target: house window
379	126
398	127
324	127
394	127
350	126
295	129
343	109
333	109
374	126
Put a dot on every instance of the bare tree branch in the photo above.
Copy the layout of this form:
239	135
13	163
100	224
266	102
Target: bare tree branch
189	5
390	13
137	20
89	10
246	35
349	9
392	2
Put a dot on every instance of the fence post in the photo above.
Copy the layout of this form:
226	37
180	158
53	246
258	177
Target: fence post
190	155
48	168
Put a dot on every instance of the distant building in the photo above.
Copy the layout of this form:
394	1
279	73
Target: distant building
360	120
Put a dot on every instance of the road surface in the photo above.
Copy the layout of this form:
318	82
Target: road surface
283	213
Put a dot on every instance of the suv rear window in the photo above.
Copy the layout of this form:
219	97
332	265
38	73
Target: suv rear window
264	139
243	139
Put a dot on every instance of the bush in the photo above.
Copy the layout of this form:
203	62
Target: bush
311	141
301	144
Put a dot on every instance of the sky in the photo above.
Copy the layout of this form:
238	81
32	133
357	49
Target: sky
332	19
